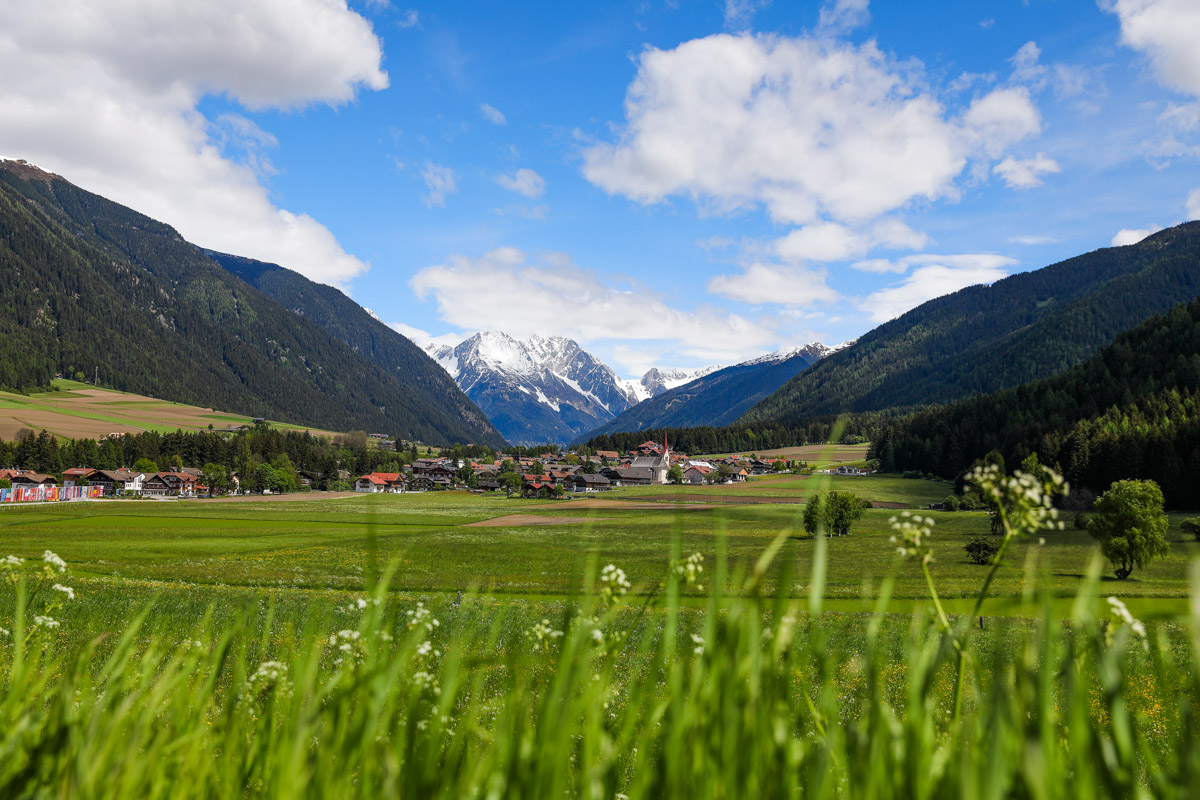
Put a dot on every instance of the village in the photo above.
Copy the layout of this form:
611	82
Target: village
548	475
560	474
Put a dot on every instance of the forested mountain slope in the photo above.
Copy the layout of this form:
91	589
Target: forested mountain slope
1132	410
984	338
330	309
717	398
90	283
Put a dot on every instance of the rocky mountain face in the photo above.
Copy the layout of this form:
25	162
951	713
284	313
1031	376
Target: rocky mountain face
539	389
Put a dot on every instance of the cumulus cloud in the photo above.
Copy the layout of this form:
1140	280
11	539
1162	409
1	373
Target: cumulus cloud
507	290
1127	236
1166	31
811	129
492	114
761	283
934	276
109	96
440	181
1026	173
831	241
525	182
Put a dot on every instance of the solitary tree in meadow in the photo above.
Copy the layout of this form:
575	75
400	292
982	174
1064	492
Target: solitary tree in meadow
1130	525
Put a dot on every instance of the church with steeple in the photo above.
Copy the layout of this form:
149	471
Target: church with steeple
659	464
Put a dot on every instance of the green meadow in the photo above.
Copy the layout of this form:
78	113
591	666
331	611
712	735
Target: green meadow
319	646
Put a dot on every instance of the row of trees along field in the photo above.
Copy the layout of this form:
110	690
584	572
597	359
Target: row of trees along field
748	438
244	453
1132	411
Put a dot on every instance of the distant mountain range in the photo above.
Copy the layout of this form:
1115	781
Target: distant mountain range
985	338
550	389
721	396
90	284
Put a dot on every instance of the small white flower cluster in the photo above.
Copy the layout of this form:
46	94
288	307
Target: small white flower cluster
699	644
911	533
421	616
269	675
1123	616
349	644
42	621
613	583
542	635
690	568
12	562
54	561
10	566
361	603
67	590
1028	500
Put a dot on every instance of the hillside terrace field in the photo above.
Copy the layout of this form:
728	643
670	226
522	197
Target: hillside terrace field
80	411
439	547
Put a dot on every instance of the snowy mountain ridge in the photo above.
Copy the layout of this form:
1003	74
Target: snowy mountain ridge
548	388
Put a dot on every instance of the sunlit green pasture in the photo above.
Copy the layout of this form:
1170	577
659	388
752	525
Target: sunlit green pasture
335	543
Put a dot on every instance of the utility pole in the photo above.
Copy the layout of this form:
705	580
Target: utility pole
96	380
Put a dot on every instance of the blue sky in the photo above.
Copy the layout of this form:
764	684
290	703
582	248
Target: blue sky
671	183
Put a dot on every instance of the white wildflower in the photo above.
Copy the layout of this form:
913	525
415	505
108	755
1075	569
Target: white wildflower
42	621
67	590
542	635
699	644
54	561
424	648
912	533
421	616
12	561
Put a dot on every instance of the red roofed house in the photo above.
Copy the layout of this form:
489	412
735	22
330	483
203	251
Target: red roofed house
380	482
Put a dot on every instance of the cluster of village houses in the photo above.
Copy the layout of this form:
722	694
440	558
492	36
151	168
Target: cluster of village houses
545	476
648	464
185	482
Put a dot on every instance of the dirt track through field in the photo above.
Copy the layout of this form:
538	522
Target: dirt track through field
522	520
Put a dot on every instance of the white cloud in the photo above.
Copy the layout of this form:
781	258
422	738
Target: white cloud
1167	31
937	276
492	114
524	182
423	339
109	93
440	181
1127	236
409	19
1193	205
789	285
1032	240
831	241
506	290
1026	173
740	13
810	129
840	16
822	241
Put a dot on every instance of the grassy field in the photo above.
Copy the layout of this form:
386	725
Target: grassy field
78	410
249	648
536	548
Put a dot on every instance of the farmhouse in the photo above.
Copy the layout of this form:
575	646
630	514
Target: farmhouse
380	482
116	480
170	484
583	482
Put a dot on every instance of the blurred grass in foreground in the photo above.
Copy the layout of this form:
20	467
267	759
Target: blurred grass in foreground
606	695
